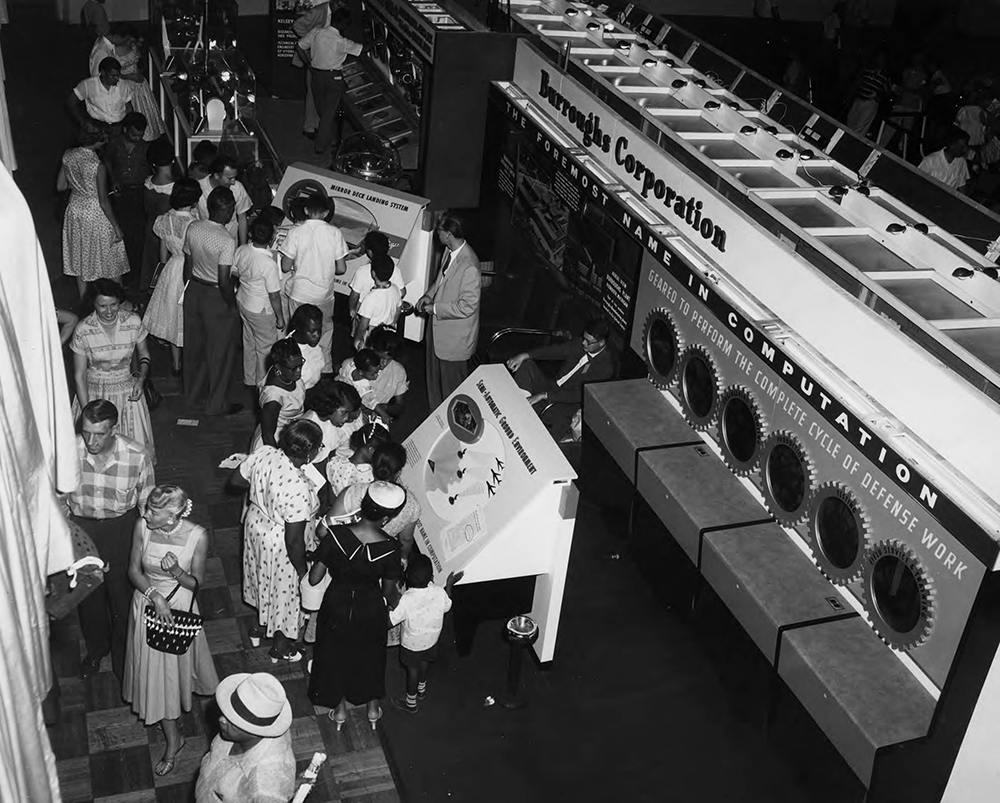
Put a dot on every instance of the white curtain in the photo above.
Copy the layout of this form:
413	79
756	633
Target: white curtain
7	156
37	458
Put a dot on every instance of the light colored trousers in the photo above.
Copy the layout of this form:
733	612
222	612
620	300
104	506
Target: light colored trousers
259	334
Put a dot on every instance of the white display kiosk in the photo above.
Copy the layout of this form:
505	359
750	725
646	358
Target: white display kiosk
497	495
362	207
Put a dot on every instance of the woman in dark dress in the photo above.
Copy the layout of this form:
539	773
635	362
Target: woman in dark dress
349	658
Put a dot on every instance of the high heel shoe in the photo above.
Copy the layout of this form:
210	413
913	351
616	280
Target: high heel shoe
376	718
337	720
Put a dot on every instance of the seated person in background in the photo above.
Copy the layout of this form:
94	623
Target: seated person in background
587	359
374	244
391	384
382	304
948	165
360	372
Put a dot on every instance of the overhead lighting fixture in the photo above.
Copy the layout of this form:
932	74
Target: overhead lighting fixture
678	83
837	191
863	189
609	26
770	129
593	26
670	62
624	45
921	227
962	273
571	12
712	105
991	272
806	155
649	62
784	153
895	228
700	82
748	129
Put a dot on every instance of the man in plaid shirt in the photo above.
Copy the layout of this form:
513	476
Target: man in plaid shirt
116	476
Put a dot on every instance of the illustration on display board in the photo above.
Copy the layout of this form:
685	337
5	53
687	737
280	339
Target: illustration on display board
476	464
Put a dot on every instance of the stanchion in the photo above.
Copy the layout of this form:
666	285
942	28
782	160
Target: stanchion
521	632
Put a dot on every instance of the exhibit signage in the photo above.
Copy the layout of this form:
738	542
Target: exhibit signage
475	465
849	425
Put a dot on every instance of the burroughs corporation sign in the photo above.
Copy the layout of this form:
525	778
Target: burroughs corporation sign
651	186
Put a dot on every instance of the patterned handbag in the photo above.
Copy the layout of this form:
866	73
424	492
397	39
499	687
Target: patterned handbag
173	638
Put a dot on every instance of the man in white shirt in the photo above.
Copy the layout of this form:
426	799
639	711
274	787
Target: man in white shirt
315	252
324	51
223	174
948	165
105	98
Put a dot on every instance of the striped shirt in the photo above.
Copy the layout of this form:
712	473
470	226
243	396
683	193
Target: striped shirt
875	84
113	482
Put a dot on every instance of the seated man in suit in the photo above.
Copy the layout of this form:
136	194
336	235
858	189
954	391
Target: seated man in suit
585	359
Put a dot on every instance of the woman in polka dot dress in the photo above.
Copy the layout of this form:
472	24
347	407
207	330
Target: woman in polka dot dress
282	501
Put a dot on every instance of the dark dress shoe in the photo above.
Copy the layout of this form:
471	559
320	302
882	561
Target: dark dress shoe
90	667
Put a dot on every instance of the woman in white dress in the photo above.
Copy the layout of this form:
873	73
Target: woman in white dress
165	313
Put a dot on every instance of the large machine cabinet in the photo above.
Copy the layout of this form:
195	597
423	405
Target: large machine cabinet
423	83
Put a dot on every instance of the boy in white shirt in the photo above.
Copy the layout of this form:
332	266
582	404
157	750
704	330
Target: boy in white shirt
315	253
421	609
258	299
948	165
375	243
382	304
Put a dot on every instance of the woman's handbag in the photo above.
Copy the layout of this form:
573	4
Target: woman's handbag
173	638
153	396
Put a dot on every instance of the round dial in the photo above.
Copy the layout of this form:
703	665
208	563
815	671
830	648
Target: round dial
787	477
899	594
661	347
840	531
742	429
700	386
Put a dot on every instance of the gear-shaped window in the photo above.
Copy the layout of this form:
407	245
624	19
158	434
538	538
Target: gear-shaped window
896	593
661	347
837	532
786	477
699	386
739	429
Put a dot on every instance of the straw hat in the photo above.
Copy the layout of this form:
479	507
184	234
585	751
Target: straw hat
255	703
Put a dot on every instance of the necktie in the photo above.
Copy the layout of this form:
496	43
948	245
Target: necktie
446	261
564	379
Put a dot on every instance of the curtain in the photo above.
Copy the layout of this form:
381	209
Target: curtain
37	459
7	156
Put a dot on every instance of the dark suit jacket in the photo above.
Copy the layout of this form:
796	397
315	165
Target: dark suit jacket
600	367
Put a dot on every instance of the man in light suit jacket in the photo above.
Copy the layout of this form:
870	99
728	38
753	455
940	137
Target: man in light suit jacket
584	359
452	304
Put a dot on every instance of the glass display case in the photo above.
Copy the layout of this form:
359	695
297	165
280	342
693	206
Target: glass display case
197	76
182	24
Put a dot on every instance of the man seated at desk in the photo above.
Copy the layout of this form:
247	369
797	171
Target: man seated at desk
584	359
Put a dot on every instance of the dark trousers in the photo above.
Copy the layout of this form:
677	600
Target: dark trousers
443	376
104	612
328	90
557	415
132	218
211	348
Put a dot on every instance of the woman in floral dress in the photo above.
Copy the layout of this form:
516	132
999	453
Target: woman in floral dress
92	242
102	345
165	313
282	502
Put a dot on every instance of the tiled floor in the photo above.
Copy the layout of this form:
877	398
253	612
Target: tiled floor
104	753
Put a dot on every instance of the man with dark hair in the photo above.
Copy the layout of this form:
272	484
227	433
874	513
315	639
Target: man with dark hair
452	304
324	51
127	163
116	476
104	98
222	173
948	165
587	359
211	321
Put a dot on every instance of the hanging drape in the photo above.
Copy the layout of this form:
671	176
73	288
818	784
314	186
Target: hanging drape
7	156
37	458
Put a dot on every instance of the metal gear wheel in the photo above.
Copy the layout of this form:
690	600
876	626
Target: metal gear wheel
662	343
899	594
740	419
787	477
840	530
700	386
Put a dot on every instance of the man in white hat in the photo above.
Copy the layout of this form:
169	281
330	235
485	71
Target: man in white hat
251	760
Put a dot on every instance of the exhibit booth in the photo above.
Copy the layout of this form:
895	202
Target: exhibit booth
816	423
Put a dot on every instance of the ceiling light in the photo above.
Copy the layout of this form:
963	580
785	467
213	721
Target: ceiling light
784	153
895	228
678	83
748	129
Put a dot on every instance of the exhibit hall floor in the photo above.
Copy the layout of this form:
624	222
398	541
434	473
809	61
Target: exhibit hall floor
642	702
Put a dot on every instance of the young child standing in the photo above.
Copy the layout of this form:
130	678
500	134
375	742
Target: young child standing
259	300
315	253
374	244
421	609
381	306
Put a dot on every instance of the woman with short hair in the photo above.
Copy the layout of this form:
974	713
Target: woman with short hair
282	501
168	557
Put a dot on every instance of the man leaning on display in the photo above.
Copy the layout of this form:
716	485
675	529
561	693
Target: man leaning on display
116	476
584	359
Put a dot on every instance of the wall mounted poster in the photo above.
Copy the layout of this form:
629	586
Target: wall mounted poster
475	464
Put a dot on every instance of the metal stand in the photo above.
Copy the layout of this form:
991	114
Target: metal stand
521	632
